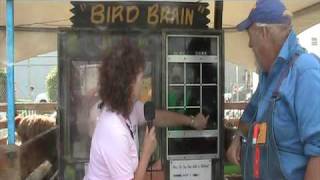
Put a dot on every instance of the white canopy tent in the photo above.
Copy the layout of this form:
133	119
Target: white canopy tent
37	22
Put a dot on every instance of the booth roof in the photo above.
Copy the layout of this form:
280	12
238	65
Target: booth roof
36	23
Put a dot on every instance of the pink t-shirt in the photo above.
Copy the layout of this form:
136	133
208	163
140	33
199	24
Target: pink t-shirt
113	153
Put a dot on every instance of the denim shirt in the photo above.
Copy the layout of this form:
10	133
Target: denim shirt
297	113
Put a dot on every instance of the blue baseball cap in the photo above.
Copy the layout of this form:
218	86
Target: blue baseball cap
267	12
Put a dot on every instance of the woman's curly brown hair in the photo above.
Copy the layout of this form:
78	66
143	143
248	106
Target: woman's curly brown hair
118	74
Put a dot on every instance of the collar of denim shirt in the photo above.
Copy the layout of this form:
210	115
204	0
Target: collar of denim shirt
289	47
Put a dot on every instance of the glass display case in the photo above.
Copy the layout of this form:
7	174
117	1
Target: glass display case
192	87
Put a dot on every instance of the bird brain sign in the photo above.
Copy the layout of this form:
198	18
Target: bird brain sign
140	14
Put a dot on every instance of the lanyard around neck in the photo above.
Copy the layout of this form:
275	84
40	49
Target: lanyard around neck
129	126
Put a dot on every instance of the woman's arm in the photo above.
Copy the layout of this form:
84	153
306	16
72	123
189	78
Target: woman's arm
149	145
166	118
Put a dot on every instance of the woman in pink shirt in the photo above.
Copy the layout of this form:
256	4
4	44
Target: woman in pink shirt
113	153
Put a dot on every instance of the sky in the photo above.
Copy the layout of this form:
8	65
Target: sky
305	39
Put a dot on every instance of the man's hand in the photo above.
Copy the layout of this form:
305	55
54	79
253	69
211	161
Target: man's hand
312	172
233	152
200	122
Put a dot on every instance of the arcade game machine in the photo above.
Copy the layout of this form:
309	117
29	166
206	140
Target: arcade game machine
184	73
193	85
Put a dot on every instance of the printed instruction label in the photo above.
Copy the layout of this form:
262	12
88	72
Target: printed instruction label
190	169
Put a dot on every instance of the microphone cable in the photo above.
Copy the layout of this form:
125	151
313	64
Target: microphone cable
151	167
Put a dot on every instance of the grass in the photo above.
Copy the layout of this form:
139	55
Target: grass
230	169
23	101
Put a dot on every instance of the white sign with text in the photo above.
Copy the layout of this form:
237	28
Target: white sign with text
190	169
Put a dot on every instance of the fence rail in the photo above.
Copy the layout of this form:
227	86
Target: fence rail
41	107
237	105
33	108
51	107
233	112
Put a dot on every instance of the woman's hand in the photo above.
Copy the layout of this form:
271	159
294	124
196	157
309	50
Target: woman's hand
200	122
149	142
149	145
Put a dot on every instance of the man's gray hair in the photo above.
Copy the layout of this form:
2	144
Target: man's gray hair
276	29
285	26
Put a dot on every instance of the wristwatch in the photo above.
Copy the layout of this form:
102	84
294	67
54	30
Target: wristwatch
192	121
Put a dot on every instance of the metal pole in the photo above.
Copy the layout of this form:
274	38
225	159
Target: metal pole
237	82
218	12
10	72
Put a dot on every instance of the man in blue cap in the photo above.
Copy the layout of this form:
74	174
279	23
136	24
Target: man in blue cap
279	132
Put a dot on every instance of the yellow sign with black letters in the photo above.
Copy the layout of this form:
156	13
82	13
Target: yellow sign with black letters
140	14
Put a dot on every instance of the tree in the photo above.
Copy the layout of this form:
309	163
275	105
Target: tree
52	84
3	86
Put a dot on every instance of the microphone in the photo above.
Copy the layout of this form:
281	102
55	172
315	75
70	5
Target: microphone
149	113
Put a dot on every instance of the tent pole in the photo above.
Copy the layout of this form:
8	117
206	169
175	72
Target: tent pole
218	12
10	72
